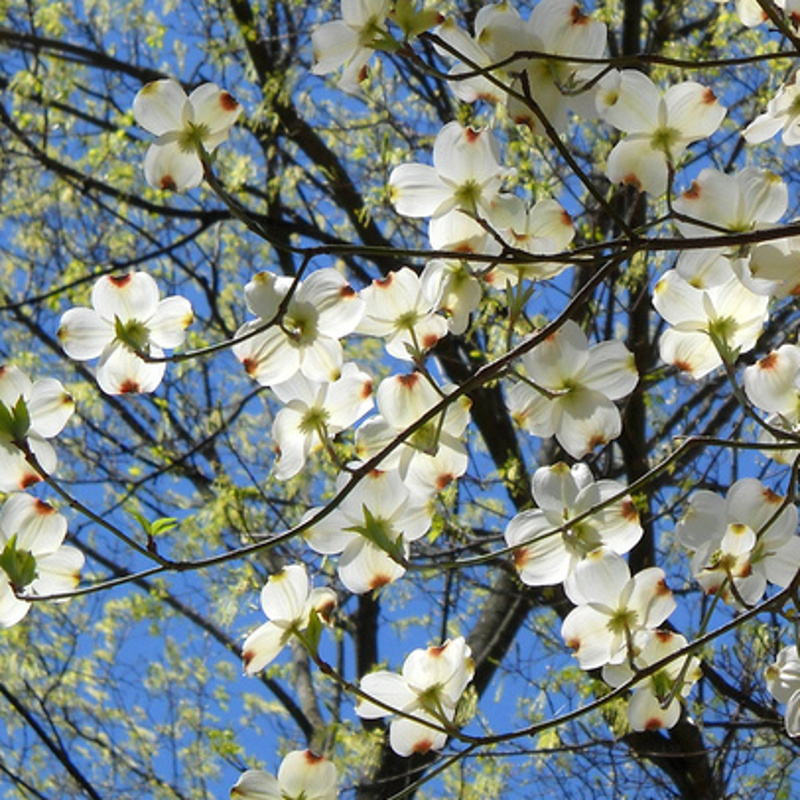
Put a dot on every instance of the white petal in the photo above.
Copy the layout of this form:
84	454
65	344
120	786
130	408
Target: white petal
263	646
600	578
268	357
364	567
585	630
417	191
559	357
158	107
58	572
635	108
693	110
284	596
121	371
689	352
12	610
168	167
215	108
39	528
83	333
587	419
15	472
407	737
304	775
389	688
133	295
545	560
167	327
333	44
610	370
255	784
634	162
50	407
645	712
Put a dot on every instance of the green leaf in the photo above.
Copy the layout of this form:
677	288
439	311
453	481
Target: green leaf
377	531
313	632
19	565
162	525
15	422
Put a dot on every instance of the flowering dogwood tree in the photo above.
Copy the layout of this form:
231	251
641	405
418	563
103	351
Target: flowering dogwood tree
462	337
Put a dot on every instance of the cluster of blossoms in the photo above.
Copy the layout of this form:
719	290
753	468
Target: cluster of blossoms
715	303
33	557
577	536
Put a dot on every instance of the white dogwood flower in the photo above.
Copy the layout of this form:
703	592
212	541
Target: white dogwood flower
783	683
350	41
429	688
397	309
314	412
612	607
782	115
656	701
563	493
371	529
182	124
464	182
659	126
706	323
322	309
287	601
127	318
572	389
741	543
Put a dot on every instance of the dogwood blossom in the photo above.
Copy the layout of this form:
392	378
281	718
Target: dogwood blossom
32	412
556	27
322	309
397	309
288	603
659	126
452	286
314	412
126	318
183	125
752	199
655	702
612	607
431	457
725	317
429	688
301	776
33	558
561	494
783	683
543	229
741	543
572	389
350	41
371	529
464	182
